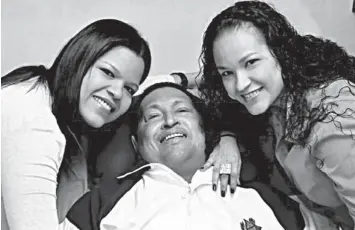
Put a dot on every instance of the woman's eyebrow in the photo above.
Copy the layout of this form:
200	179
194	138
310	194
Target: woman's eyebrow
113	67
246	56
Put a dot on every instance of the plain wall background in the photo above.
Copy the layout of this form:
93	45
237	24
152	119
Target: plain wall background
33	31
335	19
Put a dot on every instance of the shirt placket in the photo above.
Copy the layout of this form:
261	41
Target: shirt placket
187	198
281	149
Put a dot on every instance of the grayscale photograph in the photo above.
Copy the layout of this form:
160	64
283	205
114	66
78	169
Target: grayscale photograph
178	115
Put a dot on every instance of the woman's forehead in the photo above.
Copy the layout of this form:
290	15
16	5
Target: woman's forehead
241	29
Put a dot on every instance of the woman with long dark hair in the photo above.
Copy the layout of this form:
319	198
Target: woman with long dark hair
49	114
296	95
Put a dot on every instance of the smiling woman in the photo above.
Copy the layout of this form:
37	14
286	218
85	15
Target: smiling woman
247	46
294	96
108	87
49	114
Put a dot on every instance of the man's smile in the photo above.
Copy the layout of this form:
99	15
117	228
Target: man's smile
172	136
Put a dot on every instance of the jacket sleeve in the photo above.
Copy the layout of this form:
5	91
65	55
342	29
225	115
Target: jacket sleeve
67	225
337	154
334	150
31	153
85	213
90	209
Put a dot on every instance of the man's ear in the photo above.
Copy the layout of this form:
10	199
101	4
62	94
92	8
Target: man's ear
134	143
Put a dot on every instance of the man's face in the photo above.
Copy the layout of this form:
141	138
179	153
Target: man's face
169	129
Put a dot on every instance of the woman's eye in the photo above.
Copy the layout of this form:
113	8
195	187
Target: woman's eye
251	62
226	73
130	90
107	72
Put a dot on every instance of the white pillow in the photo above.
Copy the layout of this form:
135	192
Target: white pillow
153	79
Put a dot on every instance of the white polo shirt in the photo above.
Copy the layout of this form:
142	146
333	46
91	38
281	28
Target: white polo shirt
164	200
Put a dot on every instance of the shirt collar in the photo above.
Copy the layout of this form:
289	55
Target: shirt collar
282	107
164	174
311	96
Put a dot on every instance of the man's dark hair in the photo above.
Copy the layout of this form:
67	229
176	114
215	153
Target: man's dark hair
208	123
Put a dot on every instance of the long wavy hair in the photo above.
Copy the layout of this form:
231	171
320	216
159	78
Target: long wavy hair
65	76
307	62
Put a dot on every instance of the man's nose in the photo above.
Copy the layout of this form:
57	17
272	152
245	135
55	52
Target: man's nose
116	88
242	81
169	120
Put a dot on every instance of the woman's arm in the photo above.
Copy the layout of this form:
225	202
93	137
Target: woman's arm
31	155
337	152
335	146
193	80
226	152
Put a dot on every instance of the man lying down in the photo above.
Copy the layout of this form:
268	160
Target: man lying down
173	134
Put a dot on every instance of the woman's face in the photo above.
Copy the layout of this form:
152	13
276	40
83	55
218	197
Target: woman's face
250	73
107	88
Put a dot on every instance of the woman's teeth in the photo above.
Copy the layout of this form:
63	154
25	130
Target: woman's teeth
103	104
252	94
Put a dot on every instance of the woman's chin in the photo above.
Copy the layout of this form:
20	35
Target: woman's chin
95	122
257	110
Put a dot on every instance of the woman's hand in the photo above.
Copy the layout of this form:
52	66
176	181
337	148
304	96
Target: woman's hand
193	81
226	152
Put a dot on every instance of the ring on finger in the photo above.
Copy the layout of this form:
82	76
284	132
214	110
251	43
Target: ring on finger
225	169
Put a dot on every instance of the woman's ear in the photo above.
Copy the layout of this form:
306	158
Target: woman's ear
134	143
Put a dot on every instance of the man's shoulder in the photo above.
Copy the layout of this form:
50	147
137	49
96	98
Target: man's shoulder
90	209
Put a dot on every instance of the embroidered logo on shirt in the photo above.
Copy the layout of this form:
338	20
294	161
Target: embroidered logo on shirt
249	225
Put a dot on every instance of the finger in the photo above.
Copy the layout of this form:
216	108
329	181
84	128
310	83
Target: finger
234	178
239	169
224	184
210	162
215	176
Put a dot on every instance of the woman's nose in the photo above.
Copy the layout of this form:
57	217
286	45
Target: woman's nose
116	89
243	81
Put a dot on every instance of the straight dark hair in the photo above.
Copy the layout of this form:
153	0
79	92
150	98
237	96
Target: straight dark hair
65	76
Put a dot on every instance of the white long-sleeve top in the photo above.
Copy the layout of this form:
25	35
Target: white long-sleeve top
32	148
164	200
